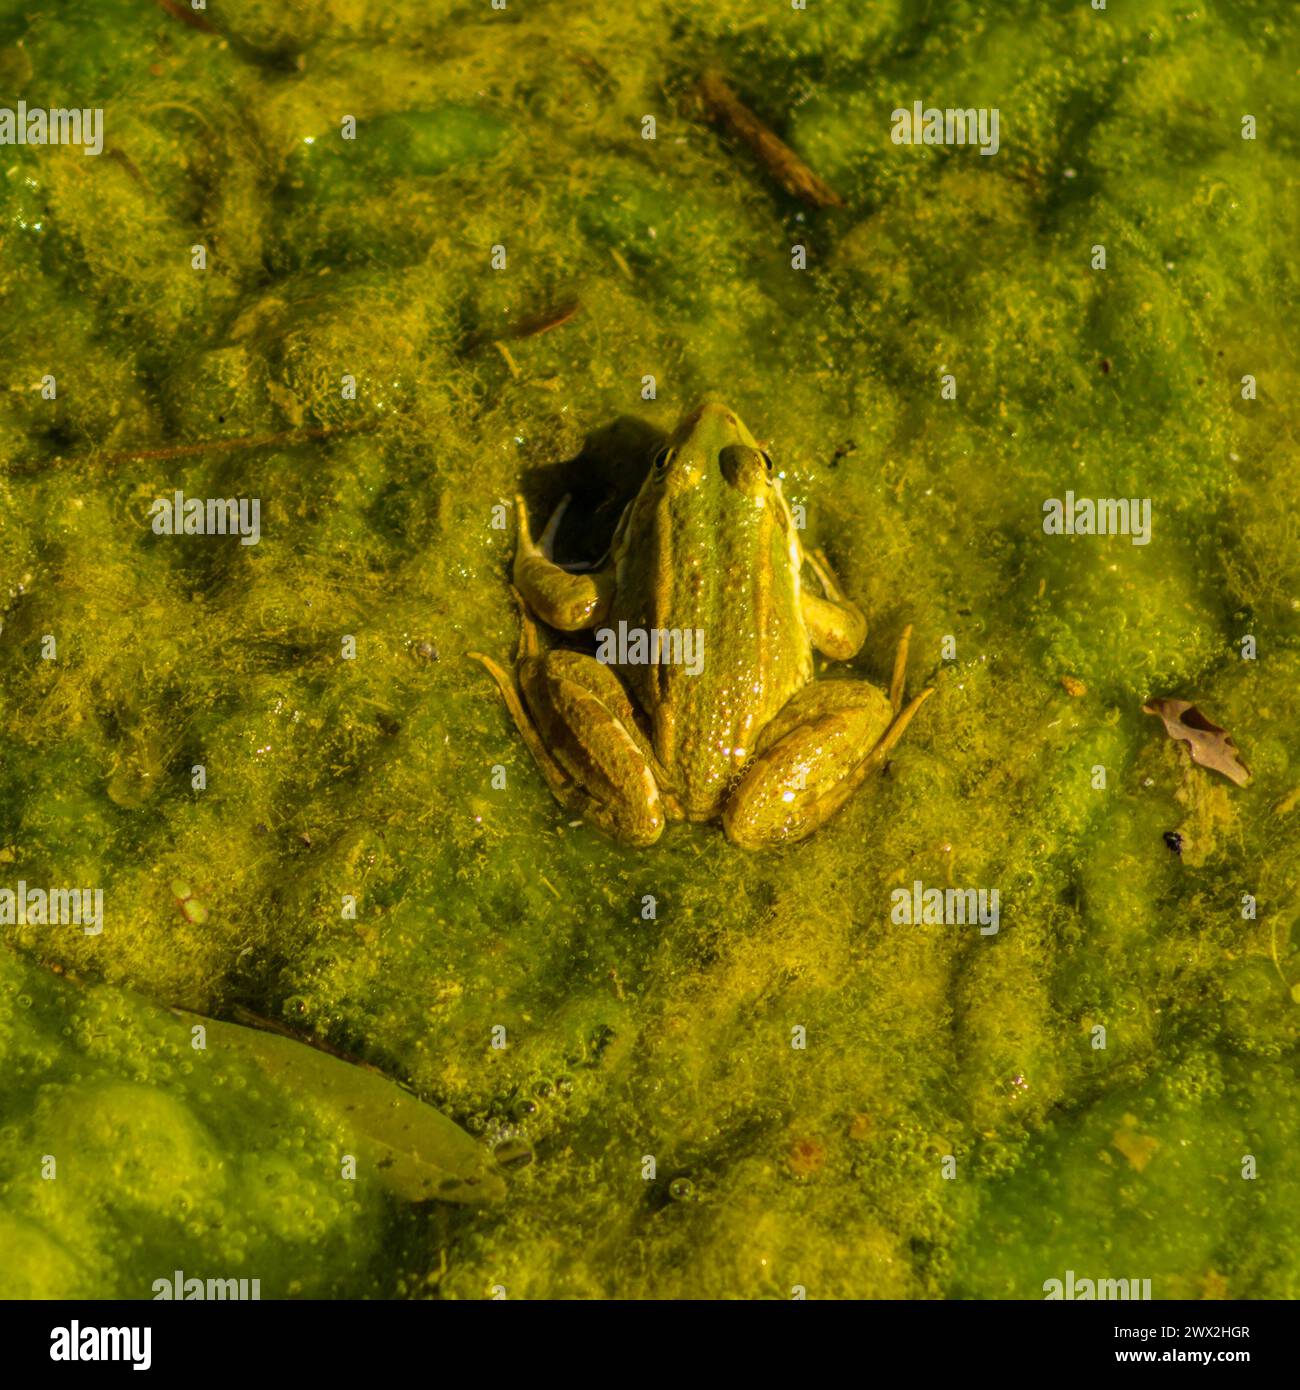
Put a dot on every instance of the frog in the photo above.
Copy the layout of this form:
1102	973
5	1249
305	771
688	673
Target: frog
746	735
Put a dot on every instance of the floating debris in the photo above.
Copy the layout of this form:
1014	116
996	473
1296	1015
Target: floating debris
1139	1149
193	910
1074	686
1211	746
532	327
1174	841
726	108
186	16
543	323
509	360
806	1157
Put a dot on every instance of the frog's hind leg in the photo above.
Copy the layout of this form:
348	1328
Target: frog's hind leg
900	670
903	716
528	649
578	723
554	774
814	755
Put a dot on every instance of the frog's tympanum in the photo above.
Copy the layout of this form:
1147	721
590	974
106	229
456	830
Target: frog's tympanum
700	702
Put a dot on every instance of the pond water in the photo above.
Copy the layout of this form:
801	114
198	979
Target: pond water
707	1073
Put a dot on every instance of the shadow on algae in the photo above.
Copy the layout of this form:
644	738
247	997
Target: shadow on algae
971	1115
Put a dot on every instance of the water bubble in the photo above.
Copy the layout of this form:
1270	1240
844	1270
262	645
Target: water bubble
513	1154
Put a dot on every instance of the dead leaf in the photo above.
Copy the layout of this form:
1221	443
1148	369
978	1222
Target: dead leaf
1210	745
414	1149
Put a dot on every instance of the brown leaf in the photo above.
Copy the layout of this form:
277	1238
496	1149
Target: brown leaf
1211	746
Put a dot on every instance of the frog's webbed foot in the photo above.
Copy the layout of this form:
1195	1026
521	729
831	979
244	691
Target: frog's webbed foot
578	723
562	599
815	754
835	623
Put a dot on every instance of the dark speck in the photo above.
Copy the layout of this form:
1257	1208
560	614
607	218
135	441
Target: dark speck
1174	841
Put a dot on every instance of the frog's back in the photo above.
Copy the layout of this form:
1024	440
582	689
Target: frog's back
717	569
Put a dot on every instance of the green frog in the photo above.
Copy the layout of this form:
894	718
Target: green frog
701	703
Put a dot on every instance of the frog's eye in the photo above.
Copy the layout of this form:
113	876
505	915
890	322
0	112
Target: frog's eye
662	460
768	464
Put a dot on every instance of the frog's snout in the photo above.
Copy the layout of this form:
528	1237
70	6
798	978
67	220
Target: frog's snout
711	411
711	424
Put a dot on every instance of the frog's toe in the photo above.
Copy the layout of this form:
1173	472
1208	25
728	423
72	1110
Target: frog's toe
638	826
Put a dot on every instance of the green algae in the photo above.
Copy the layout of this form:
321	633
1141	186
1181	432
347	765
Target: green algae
478	907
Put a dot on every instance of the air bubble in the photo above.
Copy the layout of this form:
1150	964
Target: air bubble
513	1154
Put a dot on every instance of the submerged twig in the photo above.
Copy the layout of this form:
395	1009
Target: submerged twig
187	16
251	441
531	327
725	107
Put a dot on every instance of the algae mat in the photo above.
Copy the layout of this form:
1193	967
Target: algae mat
696	1071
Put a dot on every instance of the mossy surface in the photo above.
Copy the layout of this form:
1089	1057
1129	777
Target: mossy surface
480	907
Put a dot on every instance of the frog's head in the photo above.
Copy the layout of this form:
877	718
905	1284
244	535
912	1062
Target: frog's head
712	447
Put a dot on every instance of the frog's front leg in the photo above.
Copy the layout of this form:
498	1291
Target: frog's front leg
577	722
561	599
835	623
814	755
